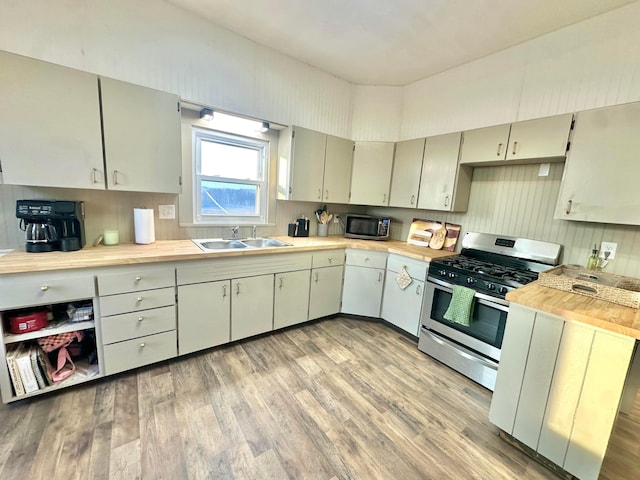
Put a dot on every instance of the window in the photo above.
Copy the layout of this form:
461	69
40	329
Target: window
230	178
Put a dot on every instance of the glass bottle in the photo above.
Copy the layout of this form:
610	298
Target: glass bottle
593	261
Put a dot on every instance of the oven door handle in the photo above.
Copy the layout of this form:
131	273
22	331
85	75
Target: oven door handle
457	351
480	297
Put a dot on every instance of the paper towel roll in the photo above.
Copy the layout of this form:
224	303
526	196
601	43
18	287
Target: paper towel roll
143	225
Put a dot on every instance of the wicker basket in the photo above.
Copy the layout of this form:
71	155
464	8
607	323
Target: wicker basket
600	285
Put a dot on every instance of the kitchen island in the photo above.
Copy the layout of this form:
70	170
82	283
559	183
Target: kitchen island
568	367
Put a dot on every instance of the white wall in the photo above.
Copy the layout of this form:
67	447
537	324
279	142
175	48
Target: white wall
591	64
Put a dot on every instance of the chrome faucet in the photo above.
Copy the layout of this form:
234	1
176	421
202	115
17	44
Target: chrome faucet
234	232
253	232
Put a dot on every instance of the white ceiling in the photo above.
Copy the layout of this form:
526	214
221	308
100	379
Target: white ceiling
393	42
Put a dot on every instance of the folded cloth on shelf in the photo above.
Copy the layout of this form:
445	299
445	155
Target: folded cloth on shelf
403	278
461	306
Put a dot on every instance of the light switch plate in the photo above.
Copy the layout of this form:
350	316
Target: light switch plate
166	212
608	247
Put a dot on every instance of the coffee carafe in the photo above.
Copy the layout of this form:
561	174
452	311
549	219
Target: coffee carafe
51	224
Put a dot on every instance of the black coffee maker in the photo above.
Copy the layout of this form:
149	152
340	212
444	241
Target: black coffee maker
51	224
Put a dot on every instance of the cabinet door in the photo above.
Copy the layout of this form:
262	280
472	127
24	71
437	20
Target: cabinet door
307	165
291	298
485	145
372	164
402	308
362	291
142	138
203	315
600	181
325	292
50	125
439	169
251	306
513	360
407	165
540	138
337	169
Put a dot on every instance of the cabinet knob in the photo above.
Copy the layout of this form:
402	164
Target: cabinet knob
280	285
366	259
44	288
140	319
316	280
139	299
142	345
138	278
330	260
238	288
224	291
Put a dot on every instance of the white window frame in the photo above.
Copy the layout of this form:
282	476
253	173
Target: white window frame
261	146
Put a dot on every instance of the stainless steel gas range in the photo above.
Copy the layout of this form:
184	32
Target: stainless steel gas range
491	266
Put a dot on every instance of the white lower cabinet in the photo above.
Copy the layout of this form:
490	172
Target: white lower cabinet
402	307
137	316
291	298
251	306
325	292
205	313
559	387
363	282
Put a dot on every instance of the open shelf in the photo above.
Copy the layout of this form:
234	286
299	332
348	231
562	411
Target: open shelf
54	328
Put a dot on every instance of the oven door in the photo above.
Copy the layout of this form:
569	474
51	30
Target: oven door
486	331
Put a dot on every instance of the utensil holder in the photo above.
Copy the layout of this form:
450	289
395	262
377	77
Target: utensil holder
323	229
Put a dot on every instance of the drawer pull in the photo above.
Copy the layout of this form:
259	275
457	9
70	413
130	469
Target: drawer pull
238	288
224	291
280	286
138	278
330	259
44	288
142	345
316	280
366	259
140	319
379	276
139	299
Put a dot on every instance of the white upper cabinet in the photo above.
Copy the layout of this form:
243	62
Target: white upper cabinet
405	180
443	184
542	139
372	165
337	169
600	180
313	166
485	145
141	138
49	125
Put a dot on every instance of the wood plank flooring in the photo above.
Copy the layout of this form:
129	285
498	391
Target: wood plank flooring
333	399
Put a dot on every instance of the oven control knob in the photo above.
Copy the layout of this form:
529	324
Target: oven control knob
491	286
503	290
471	280
452	275
442	273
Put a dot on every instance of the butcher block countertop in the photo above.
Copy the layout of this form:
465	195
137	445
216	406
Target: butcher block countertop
570	306
178	250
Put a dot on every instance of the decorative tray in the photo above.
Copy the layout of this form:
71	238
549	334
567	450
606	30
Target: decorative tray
603	286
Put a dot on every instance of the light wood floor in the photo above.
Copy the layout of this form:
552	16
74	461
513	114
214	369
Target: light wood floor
339	398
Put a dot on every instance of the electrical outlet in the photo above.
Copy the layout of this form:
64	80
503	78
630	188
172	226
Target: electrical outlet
608	247
336	219
166	212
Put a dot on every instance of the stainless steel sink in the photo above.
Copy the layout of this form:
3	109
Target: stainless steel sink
221	244
264	242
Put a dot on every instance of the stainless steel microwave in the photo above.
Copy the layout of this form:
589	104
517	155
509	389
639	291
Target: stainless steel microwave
367	227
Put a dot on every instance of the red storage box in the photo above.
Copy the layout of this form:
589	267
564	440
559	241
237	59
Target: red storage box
28	322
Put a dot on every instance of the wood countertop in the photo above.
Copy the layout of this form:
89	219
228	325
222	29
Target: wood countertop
178	250
580	308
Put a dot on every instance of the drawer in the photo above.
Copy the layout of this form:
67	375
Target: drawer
133	302
130	354
366	258
135	279
416	268
138	324
327	258
21	290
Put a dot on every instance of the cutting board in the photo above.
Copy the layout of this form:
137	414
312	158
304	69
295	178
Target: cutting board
433	234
